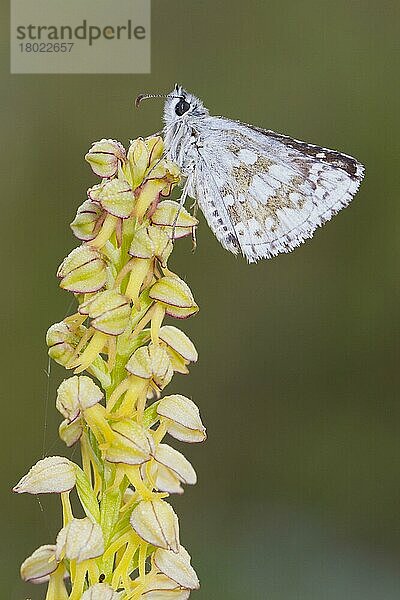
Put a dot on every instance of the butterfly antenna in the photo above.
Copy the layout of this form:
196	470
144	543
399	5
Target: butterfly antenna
146	96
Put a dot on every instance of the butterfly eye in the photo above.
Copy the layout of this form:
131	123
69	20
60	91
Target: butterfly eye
182	107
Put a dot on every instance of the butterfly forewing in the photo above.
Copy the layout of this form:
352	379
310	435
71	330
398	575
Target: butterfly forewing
263	193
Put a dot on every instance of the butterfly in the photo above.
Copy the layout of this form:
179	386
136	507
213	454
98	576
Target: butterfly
262	193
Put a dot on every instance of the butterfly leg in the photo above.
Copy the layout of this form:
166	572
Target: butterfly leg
194	240
182	201
194	207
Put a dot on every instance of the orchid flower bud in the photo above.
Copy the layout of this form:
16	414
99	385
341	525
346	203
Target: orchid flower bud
85	225
175	295
156	522
183	420
82	271
174	219
54	474
103	157
109	311
151	362
62	341
70	431
176	462
39	565
151	242
155	147
76	394
176	566
115	196
130	445
80	540
164	479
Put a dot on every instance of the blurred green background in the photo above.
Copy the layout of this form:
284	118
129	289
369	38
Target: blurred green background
299	481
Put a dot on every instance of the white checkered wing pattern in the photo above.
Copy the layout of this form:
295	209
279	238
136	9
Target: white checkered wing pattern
264	193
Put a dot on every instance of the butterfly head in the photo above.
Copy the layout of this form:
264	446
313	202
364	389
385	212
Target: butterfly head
180	105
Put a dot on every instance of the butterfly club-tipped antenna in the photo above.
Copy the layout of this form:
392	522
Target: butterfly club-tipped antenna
142	97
